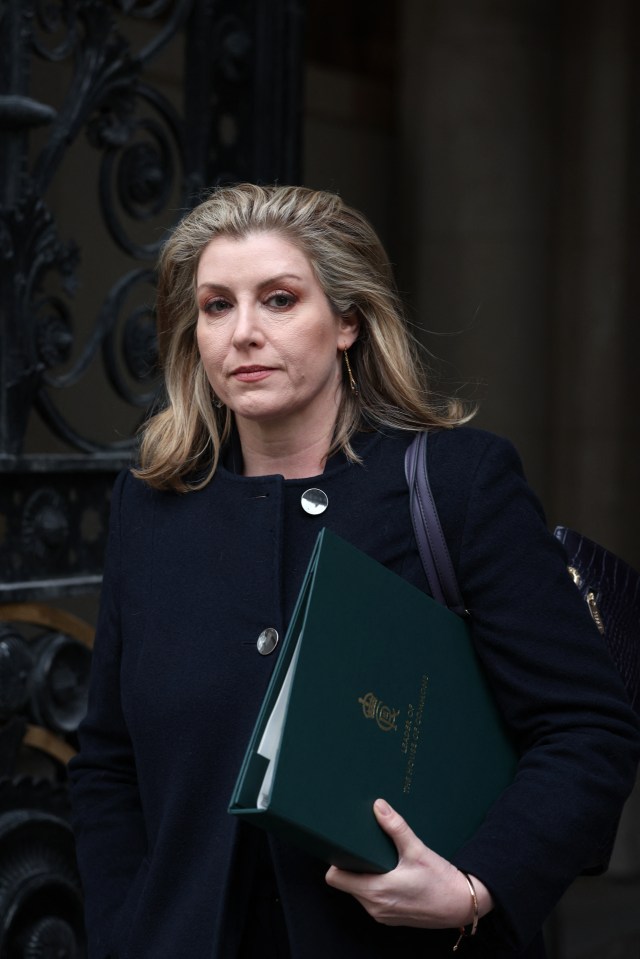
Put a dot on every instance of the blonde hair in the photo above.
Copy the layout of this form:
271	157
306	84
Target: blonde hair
181	444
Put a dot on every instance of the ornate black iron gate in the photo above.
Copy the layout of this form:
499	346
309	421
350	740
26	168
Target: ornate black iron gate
115	117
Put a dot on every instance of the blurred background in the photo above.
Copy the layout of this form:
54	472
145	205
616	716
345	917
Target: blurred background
495	146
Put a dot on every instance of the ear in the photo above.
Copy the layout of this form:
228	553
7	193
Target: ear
349	328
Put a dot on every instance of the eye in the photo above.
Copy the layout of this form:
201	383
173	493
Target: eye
215	306
280	300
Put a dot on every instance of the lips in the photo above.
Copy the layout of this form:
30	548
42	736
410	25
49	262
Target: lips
251	374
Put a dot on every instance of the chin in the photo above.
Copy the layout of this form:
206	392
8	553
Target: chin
256	412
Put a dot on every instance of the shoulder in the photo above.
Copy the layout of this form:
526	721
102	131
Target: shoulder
479	487
464	457
464	460
130	493
134	503
470	448
143	515
459	459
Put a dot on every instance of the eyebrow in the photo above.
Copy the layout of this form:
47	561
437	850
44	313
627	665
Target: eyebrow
269	281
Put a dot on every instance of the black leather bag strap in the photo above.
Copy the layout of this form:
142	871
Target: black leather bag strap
432	545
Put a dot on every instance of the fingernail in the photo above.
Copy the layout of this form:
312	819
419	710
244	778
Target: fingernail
382	807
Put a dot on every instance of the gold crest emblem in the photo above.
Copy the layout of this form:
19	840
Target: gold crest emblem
374	708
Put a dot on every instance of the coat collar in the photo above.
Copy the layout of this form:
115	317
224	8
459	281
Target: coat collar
231	456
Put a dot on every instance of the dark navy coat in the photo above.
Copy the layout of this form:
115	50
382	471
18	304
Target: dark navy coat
192	579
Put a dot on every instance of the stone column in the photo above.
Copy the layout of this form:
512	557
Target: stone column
474	230
594	342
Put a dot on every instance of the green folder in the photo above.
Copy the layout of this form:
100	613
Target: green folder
377	692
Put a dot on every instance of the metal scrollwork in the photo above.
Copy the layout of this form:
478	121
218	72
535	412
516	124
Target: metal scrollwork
116	117
54	332
45	523
234	48
141	174
128	348
31	249
142	181
138	342
52	529
55	29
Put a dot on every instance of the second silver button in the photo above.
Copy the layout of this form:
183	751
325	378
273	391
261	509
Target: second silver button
267	641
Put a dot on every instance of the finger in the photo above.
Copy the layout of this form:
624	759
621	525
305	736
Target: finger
346	881
341	878
332	876
397	828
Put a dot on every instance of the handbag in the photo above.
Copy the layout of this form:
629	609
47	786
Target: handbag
610	588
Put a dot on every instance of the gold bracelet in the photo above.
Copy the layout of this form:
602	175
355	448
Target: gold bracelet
474	920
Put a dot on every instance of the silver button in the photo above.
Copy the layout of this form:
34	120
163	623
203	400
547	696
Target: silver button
267	641
314	501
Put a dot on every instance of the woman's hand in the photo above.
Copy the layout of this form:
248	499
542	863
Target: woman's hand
423	890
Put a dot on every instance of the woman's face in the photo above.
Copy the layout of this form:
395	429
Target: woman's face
269	340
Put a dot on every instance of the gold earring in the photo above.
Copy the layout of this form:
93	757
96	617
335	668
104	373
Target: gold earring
352	382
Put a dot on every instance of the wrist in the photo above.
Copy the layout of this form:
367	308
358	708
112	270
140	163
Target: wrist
484	897
480	903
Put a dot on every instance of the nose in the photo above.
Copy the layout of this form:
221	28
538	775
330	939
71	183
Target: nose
247	330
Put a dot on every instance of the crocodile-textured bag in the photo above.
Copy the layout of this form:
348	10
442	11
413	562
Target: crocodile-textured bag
611	590
608	585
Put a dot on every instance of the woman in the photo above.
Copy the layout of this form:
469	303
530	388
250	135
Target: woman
288	366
